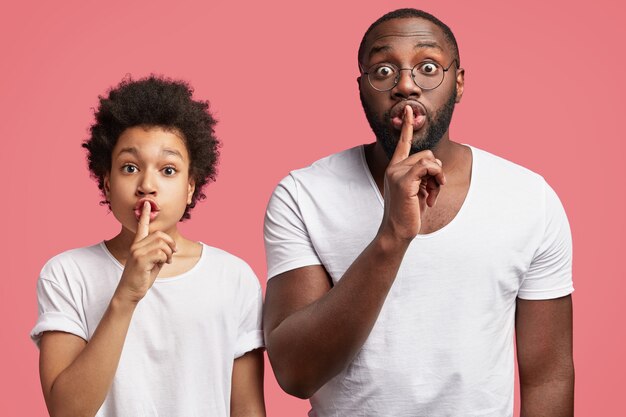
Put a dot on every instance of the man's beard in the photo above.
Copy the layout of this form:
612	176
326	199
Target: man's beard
388	137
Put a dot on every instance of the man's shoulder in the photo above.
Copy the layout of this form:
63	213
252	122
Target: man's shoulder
344	165
338	162
500	169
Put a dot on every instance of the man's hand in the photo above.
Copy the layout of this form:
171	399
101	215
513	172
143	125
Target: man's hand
148	253
412	184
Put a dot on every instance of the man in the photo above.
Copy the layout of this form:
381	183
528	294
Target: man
400	269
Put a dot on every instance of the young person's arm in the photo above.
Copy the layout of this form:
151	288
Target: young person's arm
246	398
76	375
544	353
313	331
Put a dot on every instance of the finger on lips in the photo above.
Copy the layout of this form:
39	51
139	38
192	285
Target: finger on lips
403	148
143	225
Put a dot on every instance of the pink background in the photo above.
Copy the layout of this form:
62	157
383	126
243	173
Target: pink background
544	88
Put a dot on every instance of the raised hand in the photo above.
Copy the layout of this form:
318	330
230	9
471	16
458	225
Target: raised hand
148	253
412	184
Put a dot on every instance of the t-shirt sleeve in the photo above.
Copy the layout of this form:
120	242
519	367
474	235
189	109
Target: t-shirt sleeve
250	332
550	273
287	242
57	311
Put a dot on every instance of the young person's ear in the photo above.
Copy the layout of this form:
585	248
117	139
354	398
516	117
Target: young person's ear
107	186
190	189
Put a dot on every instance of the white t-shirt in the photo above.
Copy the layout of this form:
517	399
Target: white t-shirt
443	342
185	333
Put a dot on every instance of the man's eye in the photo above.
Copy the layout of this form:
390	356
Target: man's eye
129	169
429	68
169	171
384	71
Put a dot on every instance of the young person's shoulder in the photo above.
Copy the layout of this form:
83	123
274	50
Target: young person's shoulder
77	262
228	266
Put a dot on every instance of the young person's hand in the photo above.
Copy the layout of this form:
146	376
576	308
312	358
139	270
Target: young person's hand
412	184
148	253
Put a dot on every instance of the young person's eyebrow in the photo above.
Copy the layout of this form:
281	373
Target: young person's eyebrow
172	152
130	150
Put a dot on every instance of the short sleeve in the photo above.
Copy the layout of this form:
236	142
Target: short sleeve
287	242
250	331
550	273
57	311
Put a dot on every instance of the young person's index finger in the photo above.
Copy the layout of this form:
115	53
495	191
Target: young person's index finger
403	148
143	226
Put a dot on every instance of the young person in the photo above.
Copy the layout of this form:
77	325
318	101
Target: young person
150	323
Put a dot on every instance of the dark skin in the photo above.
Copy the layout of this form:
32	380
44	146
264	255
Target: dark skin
313	330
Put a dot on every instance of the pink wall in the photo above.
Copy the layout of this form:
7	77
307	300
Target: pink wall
544	83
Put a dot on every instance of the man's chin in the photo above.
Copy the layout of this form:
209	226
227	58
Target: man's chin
389	142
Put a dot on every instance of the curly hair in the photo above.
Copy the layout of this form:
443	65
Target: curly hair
154	101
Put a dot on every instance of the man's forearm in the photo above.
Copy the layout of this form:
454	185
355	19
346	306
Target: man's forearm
314	344
553	398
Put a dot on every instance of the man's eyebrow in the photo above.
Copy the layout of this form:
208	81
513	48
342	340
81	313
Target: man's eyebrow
420	45
434	45
376	49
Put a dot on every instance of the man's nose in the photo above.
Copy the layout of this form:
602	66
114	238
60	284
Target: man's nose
406	86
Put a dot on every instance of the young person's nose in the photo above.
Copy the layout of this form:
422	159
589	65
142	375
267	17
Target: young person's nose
146	185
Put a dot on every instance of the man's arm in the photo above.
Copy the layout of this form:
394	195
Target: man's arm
246	398
544	353
314	330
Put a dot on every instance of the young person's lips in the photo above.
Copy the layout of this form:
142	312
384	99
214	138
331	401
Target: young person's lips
397	115
154	208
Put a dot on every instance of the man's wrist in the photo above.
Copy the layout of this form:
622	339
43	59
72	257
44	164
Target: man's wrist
388	244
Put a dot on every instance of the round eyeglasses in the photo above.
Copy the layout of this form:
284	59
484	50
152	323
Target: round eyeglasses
427	75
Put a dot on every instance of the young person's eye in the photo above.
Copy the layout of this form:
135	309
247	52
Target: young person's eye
129	169
169	171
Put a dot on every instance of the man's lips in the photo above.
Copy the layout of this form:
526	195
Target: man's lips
397	115
154	208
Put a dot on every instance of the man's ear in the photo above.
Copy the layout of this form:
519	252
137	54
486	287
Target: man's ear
191	187
460	84
107	186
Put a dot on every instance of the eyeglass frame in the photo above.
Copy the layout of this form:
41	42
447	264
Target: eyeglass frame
397	78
